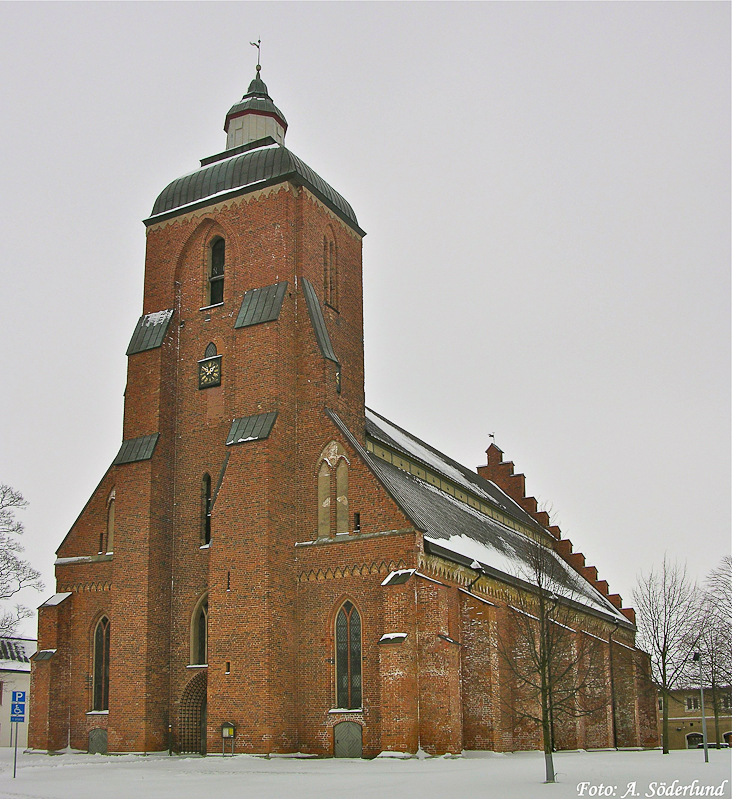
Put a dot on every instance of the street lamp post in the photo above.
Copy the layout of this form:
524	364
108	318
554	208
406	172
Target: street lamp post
698	659
612	684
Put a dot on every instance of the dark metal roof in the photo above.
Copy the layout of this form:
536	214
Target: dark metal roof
316	317
13	649
251	428
150	331
265	165
44	654
395	437
136	449
452	529
261	305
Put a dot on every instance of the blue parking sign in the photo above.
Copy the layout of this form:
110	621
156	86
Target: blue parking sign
17	707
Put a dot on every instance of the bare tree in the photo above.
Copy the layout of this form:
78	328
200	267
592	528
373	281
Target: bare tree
558	670
715	641
668	613
15	573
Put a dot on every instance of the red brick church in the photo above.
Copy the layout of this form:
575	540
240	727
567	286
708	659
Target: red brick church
268	557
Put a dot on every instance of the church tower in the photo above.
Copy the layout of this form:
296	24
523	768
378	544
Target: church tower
267	555
183	559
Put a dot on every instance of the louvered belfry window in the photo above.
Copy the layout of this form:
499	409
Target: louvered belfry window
216	277
101	665
348	657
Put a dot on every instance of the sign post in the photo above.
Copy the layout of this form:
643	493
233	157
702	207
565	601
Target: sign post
17	715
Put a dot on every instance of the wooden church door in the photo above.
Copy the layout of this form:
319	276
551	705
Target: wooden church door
348	739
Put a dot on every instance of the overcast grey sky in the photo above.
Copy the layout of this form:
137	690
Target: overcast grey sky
546	192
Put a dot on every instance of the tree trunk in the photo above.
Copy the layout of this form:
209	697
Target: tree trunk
546	730
665	697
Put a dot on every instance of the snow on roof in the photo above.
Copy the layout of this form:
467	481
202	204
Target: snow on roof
392	637
56	599
398	577
452	528
15	653
394	436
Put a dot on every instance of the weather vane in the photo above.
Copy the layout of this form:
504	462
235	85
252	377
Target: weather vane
258	45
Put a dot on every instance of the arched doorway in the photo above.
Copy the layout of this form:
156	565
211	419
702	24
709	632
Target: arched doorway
97	741
193	715
347	739
693	739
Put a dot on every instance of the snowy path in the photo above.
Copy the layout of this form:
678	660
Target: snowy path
474	776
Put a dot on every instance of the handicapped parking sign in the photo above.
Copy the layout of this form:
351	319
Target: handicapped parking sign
17	706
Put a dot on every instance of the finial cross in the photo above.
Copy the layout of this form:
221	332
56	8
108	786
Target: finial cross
258	45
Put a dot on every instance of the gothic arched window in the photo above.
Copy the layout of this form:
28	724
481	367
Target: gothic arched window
110	523
106	535
323	501
216	272
206	509
101	666
342	496
199	633
348	657
333	488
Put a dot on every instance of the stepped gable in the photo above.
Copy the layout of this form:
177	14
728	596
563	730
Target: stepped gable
502	473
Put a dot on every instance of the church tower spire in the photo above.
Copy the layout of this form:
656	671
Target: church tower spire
254	117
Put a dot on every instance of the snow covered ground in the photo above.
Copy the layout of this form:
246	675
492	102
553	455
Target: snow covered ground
476	775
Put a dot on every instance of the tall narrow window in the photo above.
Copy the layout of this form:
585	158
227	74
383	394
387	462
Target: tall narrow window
348	657
101	665
333	491
330	272
206	509
216	274
324	501
342	496
110	523
199	633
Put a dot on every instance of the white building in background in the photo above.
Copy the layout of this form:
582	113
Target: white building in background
15	655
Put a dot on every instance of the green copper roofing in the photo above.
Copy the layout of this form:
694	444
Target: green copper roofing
261	305
150	331
316	317
136	449
251	428
263	163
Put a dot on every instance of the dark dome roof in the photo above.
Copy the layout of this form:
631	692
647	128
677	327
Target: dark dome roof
266	163
258	100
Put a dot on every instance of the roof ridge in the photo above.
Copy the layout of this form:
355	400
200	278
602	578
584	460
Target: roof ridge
478	480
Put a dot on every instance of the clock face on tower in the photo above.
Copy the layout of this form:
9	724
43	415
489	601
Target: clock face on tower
209	372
